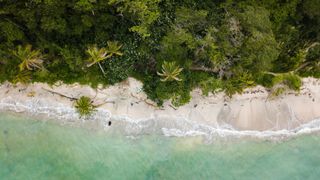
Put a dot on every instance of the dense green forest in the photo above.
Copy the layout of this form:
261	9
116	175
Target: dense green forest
172	46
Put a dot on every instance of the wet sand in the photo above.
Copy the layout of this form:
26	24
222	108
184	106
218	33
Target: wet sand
252	110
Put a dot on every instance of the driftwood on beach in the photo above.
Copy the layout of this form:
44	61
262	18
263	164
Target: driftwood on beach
144	100
60	94
73	98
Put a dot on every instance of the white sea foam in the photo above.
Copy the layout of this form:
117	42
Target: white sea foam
168	126
57	111
179	127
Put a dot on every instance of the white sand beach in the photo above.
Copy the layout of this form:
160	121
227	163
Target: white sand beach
252	110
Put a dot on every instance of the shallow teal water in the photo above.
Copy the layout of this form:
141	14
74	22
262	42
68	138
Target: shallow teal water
32	149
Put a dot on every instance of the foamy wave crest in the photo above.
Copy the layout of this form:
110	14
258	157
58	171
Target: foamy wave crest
210	132
165	125
52	110
181	127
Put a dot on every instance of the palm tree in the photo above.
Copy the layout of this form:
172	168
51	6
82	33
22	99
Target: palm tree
170	72
84	106
31	59
113	48
23	77
97	55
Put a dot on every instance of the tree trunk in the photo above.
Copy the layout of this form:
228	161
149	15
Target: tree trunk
277	74
205	69
60	94
271	73
104	73
312	45
302	66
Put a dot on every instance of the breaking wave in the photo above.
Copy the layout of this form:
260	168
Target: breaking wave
165	125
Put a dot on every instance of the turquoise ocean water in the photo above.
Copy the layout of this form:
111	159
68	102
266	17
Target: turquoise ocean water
33	149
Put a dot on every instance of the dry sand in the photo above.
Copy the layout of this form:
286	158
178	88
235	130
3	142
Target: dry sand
252	110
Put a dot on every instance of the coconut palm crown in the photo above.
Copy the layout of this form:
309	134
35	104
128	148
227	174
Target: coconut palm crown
30	59
96	55
84	106
170	72
113	48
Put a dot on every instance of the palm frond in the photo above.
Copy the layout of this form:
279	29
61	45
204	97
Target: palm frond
170	72
113	48
30	59
23	77
84	106
96	55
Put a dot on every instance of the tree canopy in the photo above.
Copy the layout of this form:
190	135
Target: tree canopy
220	44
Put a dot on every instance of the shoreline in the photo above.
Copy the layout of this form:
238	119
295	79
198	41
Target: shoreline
251	114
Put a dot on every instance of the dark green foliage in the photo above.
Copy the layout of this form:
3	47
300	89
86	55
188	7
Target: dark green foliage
178	92
117	69
238	83
292	81
212	85
23	77
221	45
311	65
265	80
311	8
143	12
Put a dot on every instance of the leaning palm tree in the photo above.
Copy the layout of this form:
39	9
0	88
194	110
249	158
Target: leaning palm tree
84	106
30	59
113	48
97	55
170	72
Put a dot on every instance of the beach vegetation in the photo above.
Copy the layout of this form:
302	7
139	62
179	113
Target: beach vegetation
84	106
288	80
171	46
96	56
30	59
113	49
211	85
292	81
170	72
23	77
277	91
